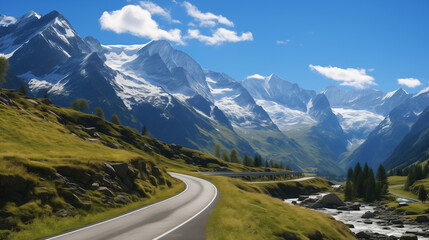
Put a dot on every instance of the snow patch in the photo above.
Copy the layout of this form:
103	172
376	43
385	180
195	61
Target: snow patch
423	91
7	20
351	119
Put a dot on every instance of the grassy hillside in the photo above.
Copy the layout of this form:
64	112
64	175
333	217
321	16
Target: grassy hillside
54	161
245	212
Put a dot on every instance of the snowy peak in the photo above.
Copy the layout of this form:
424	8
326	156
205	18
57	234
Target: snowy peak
274	88
6	20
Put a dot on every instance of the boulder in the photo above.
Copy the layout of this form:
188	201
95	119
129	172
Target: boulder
408	236
367	221
422	219
368	215
355	207
109	169
315	236
331	201
95	186
397	221
106	191
121	169
122	199
62	213
364	235
289	236
350	225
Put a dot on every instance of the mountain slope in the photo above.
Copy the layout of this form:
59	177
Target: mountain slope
383	140
414	147
67	68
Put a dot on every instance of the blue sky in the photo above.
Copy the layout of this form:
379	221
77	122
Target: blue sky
351	44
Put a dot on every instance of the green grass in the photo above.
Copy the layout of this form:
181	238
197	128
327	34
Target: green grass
244	212
400	190
416	208
397	180
47	226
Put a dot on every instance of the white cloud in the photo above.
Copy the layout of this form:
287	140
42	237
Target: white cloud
283	42
135	20
352	77
257	76
220	36
409	82
207	19
157	10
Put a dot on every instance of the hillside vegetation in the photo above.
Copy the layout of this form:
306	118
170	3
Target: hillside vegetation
60	169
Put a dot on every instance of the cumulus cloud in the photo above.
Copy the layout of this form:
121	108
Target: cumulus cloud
207	19
283	42
135	20
352	77
221	35
409	82
157	10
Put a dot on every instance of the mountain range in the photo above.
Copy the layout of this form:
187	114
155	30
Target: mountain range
180	102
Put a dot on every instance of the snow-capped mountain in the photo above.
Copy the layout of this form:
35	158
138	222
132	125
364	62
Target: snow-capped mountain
365	99
236	102
48	54
155	85
383	140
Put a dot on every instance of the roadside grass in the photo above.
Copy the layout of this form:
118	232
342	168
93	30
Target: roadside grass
416	208
48	226
400	190
244	212
397	180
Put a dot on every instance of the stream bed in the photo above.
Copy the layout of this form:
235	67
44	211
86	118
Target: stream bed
375	224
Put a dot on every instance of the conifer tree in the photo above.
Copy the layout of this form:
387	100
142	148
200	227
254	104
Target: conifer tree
422	193
366	170
257	160
267	164
216	150
350	175
144	130
348	191
225	157
370	193
23	90
99	112
381	181
115	119
45	95
247	161
4	66
233	155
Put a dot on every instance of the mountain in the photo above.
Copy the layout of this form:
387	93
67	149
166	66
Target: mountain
365	99
47	54
383	140
302	115
414	147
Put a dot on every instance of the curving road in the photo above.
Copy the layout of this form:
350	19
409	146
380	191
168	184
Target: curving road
402	196
183	216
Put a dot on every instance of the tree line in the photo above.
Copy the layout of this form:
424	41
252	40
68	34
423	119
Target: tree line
247	160
361	183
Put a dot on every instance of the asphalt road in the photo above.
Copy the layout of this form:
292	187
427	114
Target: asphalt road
402	196
291	180
183	216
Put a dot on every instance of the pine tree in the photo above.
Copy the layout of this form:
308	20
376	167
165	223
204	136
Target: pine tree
115	119
357	170
288	167
233	155
359	185
45	95
350	175
99	112
23	90
366	170
225	157
422	193
144	130
4	66
257	160
267	164
348	191
80	105
247	161
370	193
216	150
382	181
